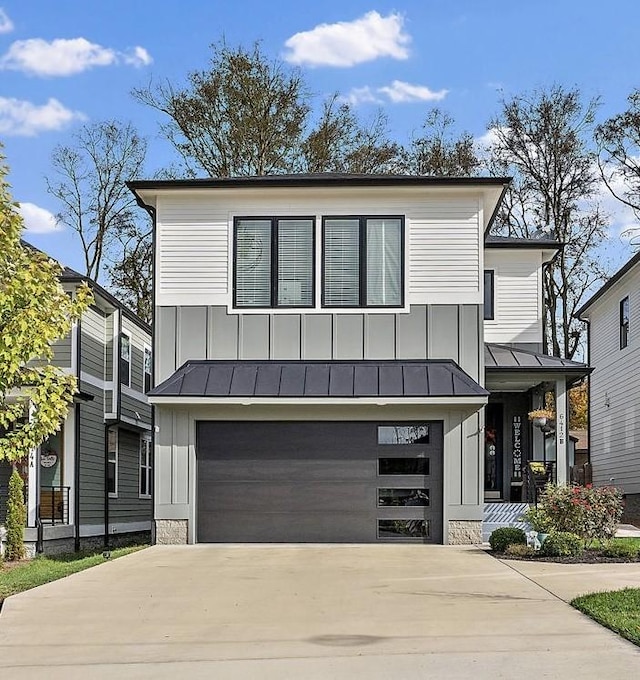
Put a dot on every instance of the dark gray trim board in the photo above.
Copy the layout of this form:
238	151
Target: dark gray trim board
316	180
304	379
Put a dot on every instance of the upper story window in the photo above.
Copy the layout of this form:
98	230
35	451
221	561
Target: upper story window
362	262
274	262
147	369
489	297
624	322
125	358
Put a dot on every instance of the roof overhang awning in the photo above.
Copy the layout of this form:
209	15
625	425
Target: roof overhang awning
510	369
320	382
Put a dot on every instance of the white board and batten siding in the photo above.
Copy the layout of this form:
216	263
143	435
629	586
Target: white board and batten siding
615	387
517	296
194	239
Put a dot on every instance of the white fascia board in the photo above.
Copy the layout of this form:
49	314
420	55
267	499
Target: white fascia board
326	401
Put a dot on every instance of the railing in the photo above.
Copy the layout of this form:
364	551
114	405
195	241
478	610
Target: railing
54	504
537	477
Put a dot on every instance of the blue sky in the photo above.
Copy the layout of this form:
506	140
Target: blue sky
67	62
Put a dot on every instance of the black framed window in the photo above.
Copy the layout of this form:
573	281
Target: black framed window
273	262
624	322
125	359
489	295
403	466
112	463
147	368
363	261
145	467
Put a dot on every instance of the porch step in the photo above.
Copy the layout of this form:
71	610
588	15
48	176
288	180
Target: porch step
498	515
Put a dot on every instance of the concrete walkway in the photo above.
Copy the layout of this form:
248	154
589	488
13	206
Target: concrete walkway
305	612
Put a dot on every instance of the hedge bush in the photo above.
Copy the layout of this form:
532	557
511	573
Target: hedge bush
621	550
519	550
503	537
16	518
563	544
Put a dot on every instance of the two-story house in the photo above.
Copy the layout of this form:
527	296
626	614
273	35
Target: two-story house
93	478
320	361
613	316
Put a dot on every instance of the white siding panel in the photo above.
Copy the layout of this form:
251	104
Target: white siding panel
443	234
517	296
615	388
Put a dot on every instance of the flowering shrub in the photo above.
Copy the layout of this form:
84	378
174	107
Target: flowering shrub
590	512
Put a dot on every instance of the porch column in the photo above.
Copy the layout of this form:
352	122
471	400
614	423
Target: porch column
32	488
562	468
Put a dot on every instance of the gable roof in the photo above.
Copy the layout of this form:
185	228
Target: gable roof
609	284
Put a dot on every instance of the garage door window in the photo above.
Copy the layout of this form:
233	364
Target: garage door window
403	466
403	528
402	497
403	434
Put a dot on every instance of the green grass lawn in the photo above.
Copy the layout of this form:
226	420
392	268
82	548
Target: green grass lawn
16	578
627	540
618	610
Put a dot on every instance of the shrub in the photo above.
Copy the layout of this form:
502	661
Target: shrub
591	513
625	551
16	518
519	550
563	544
505	536
538	520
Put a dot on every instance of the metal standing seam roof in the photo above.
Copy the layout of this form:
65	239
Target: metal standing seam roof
214	378
503	357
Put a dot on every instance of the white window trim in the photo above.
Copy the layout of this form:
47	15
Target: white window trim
117	452
128	334
145	469
146	348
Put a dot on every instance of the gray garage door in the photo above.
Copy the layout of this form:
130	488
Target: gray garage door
319	482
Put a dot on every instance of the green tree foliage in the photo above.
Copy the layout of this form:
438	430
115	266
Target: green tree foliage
250	115
245	115
34	312
16	518
543	139
438	151
340	142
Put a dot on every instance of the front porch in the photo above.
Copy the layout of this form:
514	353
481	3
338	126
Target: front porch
518	380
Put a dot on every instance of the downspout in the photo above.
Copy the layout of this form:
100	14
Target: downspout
76	455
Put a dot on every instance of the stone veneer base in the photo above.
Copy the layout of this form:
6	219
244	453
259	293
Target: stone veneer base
171	531
465	532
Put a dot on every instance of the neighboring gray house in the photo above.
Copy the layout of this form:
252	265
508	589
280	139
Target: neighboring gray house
613	315
94	476
321	367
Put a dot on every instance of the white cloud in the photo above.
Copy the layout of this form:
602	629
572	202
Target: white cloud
62	57
21	118
6	25
137	57
37	220
347	43
361	95
400	91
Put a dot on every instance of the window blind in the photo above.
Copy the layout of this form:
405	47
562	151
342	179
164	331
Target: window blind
295	263
253	263
341	244
384	262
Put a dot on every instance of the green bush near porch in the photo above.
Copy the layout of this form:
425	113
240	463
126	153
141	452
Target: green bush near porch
503	537
17	578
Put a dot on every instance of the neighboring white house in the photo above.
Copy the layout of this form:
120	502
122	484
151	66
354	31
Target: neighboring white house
320	359
613	315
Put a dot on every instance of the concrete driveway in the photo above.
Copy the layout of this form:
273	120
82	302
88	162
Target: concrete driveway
308	612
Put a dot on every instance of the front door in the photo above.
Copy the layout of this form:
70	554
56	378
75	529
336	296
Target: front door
493	445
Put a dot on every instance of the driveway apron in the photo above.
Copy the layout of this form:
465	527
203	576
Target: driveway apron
285	611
